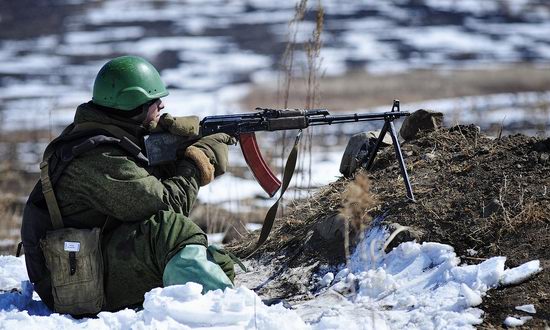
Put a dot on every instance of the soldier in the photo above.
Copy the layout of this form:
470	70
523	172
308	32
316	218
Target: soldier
99	173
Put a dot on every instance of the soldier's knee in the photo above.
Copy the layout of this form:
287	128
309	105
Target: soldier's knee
172	232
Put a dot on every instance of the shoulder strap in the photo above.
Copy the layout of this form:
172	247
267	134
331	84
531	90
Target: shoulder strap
47	187
49	196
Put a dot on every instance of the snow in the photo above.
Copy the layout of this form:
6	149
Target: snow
83	37
174	307
516	321
229	188
12	272
521	273
184	304
472	298
327	279
473	6
341	274
530	308
415	285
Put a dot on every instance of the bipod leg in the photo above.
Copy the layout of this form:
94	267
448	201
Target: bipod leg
374	151
399	156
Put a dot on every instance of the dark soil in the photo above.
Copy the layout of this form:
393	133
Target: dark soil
472	192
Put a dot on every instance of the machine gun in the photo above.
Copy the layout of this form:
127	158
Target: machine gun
162	147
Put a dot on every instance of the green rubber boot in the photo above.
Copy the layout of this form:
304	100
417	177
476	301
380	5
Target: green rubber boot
192	264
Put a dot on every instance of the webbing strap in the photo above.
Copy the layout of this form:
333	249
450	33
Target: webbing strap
272	213
49	196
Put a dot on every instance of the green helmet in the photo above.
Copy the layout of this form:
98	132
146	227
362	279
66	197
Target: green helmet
127	82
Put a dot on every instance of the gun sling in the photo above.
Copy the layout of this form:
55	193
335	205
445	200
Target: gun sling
290	166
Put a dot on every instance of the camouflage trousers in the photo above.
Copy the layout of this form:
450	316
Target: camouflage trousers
135	254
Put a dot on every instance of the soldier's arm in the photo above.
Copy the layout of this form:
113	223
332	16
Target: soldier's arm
114	184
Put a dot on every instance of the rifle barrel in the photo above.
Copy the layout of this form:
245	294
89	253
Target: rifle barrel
356	117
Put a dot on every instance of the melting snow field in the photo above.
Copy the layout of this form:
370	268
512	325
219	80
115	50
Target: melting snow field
415	285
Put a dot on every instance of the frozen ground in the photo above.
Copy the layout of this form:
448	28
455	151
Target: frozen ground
421	286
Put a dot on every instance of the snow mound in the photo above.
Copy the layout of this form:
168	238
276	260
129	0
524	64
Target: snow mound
521	273
174	307
530	308
421	286
184	304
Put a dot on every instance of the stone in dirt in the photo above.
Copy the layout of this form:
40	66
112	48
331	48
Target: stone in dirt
420	120
358	149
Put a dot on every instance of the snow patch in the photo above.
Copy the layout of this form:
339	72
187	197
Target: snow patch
515	321
327	279
11	275
527	308
174	307
521	273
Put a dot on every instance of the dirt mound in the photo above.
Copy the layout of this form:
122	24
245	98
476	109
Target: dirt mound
484	196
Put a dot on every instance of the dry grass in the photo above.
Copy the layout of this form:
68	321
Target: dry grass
15	185
313	54
288	78
232	223
287	62
10	223
358	201
359	89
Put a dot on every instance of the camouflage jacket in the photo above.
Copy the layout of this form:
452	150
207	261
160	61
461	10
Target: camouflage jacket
106	181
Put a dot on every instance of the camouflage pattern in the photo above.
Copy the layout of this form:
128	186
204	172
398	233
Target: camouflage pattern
136	253
146	208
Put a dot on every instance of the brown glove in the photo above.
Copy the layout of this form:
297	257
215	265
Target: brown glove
210	154
187	126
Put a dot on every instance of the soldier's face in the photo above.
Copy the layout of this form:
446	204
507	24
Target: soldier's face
153	112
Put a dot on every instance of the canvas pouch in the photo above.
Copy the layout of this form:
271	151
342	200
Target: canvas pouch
74	259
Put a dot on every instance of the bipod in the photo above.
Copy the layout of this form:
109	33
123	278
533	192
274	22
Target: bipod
389	127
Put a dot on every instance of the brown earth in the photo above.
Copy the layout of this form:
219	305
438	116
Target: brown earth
472	192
